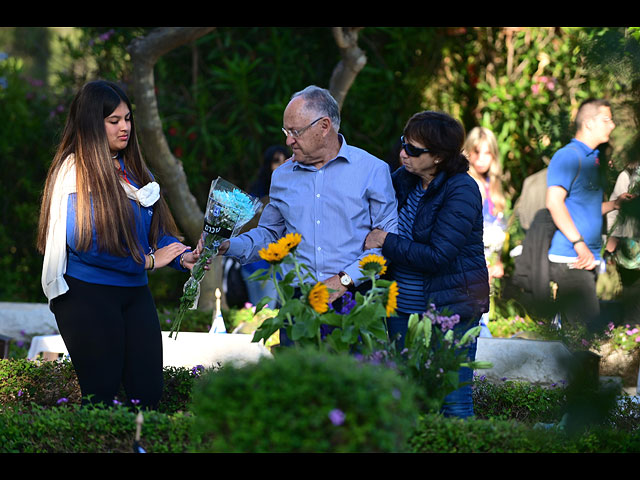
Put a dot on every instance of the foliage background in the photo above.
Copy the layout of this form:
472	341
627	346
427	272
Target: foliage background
221	101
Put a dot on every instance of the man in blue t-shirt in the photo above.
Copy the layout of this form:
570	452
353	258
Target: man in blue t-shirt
575	201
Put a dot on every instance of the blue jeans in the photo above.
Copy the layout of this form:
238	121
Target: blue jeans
458	403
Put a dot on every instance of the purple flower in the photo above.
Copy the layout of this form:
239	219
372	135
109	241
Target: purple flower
116	402
20	392
337	416
348	302
197	370
62	400
135	401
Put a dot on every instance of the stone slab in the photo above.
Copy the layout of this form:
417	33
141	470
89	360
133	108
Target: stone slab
211	350
540	362
30	318
188	349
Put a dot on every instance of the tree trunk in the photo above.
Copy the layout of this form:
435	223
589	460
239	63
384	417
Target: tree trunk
145	52
353	60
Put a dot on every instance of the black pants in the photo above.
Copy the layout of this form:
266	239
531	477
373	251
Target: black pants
113	337
576	296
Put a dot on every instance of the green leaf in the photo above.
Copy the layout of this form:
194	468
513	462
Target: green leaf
470	335
260	274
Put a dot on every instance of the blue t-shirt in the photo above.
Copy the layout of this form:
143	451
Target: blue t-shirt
94	266
575	167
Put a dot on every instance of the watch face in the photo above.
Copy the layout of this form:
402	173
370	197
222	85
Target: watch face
345	280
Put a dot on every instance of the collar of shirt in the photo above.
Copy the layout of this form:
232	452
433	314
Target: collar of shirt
585	148
343	153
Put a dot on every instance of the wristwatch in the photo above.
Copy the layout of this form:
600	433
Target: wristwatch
345	279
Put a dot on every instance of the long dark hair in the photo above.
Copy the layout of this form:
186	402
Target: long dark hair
443	136
97	180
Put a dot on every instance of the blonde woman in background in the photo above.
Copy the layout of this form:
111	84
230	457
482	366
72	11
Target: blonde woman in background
481	148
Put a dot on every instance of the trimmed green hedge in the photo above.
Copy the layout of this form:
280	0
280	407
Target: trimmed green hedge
436	434
73	429
295	403
304	401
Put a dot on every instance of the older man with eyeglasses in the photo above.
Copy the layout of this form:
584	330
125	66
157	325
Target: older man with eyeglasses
331	193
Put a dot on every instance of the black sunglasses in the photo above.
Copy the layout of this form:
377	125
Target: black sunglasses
411	150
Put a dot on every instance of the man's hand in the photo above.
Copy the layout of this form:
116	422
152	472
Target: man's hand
624	197
586	260
375	239
224	246
333	283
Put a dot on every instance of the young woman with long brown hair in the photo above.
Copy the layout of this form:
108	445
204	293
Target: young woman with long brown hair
103	226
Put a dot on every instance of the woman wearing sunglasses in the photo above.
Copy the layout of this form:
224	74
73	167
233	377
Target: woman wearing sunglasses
437	256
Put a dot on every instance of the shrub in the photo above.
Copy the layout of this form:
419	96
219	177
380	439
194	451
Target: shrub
74	429
25	384
520	401
303	401
436	434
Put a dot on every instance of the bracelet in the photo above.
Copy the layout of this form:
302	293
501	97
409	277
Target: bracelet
182	259
578	241
153	262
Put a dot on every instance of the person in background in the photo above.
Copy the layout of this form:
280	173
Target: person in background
437	255
481	148
575	200
103	226
273	157
623	242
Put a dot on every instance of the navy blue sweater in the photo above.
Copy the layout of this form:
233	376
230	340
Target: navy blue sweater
447	243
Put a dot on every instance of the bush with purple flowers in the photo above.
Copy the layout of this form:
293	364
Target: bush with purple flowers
434	351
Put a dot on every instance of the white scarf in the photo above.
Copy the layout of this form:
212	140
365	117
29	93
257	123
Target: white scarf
55	255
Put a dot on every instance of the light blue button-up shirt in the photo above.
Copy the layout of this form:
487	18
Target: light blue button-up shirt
333	208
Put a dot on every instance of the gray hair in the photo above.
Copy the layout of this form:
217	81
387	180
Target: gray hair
320	101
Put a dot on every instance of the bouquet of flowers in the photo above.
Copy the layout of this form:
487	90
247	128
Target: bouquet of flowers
228	210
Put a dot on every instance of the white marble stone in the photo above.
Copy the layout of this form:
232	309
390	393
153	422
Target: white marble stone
30	318
189	349
535	361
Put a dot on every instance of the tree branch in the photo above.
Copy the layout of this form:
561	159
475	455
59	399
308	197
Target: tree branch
353	61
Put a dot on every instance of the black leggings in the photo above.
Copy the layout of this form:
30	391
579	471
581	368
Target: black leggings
113	337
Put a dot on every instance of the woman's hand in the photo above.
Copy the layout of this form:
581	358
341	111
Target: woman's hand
189	259
375	239
165	255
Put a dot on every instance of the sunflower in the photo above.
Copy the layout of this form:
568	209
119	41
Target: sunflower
392	296
274	253
319	297
290	241
374	263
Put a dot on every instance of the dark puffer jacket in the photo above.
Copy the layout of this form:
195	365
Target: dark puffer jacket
447	244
